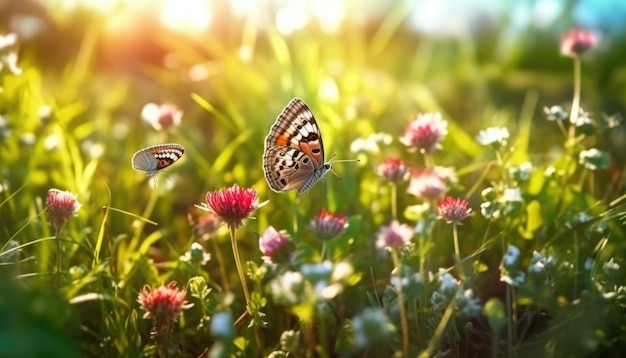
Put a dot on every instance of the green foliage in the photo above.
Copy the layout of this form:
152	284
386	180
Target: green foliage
538	267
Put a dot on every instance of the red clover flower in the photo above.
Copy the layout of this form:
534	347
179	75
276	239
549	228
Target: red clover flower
425	132
233	204
454	210
577	41
327	225
393	170
61	205
163	305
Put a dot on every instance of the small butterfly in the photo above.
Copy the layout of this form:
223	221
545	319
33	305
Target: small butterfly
294	151
153	159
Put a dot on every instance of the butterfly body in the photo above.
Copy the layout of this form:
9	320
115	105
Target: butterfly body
294	151
153	159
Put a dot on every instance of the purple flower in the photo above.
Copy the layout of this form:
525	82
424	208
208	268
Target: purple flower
276	246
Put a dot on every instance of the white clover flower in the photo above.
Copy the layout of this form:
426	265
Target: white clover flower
289	288
371	144
512	195
493	136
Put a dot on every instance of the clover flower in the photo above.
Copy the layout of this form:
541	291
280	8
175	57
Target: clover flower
60	206
328	225
454	210
163	116
276	246
393	170
233	204
426	185
163	305
496	137
425	132
394	236
577	41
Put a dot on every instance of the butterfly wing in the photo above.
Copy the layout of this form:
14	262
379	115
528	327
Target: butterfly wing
157	157
287	168
294	150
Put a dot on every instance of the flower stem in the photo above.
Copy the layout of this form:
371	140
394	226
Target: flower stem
403	320
573	116
457	251
324	248
58	241
242	278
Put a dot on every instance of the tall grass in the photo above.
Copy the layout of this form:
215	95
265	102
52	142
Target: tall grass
540	273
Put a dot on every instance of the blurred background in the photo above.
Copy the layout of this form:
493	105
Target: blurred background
362	66
130	37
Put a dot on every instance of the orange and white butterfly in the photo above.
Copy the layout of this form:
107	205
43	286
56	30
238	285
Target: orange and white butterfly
153	159
294	151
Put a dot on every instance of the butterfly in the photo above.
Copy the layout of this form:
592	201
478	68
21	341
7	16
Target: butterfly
153	159
294	151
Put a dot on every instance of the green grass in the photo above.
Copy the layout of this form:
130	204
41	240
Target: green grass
130	233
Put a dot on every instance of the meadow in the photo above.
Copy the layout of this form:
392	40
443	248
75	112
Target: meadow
483	218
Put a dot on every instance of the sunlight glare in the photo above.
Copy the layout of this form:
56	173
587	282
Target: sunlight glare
329	12
292	17
188	15
245	7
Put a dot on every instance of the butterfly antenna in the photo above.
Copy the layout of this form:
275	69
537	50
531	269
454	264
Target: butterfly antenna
341	160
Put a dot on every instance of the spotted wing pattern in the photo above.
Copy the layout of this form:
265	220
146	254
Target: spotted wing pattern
294	151
155	158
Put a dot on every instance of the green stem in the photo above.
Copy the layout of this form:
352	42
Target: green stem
242	278
457	251
57	238
573	116
324	248
403	320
